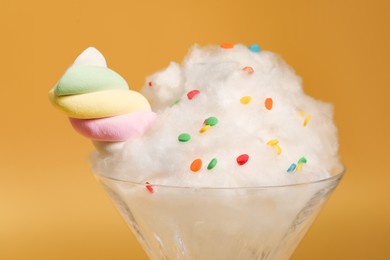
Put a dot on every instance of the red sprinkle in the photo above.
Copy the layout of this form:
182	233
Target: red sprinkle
242	159
192	94
248	69
150	84
268	103
149	187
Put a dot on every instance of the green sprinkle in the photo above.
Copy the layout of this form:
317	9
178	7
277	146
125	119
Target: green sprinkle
176	102
302	160
211	121
184	137
212	164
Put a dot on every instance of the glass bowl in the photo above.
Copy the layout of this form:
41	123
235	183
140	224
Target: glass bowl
173	222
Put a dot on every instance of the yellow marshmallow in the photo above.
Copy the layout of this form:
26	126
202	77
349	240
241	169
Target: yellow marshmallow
100	104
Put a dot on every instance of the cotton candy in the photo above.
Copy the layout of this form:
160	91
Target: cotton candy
276	126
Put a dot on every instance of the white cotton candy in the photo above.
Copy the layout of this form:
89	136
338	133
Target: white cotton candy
159	158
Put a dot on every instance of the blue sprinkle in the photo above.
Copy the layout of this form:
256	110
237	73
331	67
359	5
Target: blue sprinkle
254	48
292	167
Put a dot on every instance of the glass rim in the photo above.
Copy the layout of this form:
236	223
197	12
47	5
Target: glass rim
339	173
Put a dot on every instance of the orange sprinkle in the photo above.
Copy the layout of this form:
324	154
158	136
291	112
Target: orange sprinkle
226	45
268	103
196	165
248	69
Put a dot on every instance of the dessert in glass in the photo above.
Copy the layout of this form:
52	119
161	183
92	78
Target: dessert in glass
221	157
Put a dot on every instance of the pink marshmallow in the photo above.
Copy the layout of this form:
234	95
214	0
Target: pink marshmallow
116	128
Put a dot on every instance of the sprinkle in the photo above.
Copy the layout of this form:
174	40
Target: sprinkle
301	113
177	101
248	69
149	187
226	45
299	167
254	48
245	100
211	121
192	94
212	164
184	137
278	149
302	160
292	167
242	159
268	103
307	119
273	142
196	165
204	129
150	84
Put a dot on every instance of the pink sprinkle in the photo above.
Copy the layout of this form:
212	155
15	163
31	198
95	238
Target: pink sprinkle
242	159
150	84
149	187
248	69
192	94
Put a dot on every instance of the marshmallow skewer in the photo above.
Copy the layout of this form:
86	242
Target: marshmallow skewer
99	104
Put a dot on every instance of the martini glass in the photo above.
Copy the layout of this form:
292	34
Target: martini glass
173	222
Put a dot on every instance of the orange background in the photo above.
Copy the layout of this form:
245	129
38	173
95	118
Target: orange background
51	207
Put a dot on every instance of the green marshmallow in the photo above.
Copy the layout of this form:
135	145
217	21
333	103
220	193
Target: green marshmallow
85	79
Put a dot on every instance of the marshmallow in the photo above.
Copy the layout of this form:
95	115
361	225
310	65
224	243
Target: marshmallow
100	104
108	148
86	79
91	56
114	129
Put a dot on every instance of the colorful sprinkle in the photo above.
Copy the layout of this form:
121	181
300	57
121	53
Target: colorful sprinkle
211	121
245	100
196	165
299	167
226	45
177	101
255	48
192	94
242	159
150	84
204	129
292	167
248	69
307	119
149	187
301	113
212	164
268	103
184	137
278	149
273	142
302	160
